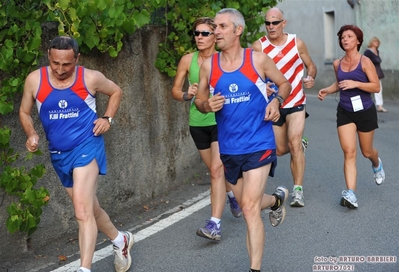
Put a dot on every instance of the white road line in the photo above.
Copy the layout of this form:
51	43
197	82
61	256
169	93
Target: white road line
147	232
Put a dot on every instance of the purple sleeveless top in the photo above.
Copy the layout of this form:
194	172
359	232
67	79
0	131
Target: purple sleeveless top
345	96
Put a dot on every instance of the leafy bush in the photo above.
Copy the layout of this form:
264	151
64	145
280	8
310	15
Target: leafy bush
24	215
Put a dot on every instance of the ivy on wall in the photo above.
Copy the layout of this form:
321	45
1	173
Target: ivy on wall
18	182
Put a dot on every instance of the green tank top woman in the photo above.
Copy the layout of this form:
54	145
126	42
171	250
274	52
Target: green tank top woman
197	118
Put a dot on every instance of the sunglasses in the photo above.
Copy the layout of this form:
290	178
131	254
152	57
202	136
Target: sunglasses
273	23
203	33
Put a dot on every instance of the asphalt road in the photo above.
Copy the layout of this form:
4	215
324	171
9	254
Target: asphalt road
322	236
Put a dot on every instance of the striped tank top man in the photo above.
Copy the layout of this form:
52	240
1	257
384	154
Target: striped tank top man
288	61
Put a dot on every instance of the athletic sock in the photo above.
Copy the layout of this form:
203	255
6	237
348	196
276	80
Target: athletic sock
230	194
84	269
217	221
119	241
298	188
378	168
276	204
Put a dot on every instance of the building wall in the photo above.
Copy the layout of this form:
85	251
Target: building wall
307	19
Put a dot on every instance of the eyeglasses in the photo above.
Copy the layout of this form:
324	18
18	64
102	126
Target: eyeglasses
273	23
203	33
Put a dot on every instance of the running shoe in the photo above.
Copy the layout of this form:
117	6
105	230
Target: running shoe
123	259
210	231
297	199
234	207
277	213
379	174
305	143
349	199
79	270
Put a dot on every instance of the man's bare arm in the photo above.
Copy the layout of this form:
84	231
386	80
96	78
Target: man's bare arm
97	82
25	110
307	60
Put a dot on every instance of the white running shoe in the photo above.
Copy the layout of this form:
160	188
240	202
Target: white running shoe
123	259
349	199
297	199
277	213
379	174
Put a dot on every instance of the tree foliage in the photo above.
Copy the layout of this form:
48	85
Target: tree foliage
102	24
180	16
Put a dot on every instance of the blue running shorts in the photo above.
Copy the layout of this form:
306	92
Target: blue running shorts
65	161
234	165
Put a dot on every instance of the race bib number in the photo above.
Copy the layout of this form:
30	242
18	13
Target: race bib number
357	104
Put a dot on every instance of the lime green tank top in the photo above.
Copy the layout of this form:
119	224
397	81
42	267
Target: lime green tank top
197	118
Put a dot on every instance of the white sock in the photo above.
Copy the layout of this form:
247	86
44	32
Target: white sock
217	221
119	241
84	269
230	194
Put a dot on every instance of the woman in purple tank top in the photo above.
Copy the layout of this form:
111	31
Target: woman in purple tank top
356	80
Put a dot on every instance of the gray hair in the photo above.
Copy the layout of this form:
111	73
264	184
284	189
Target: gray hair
65	43
237	18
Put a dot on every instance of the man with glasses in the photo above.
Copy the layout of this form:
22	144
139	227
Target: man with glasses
291	56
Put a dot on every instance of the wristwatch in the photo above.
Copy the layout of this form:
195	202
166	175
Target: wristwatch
185	98
110	120
280	100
